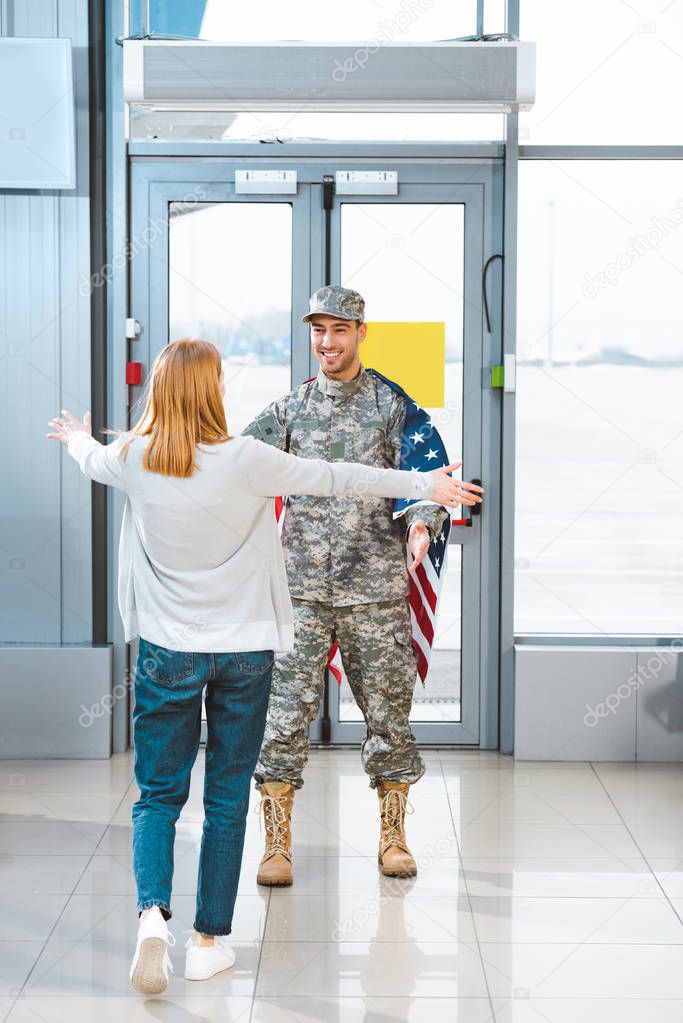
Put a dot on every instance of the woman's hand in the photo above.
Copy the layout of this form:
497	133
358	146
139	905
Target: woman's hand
450	492
68	425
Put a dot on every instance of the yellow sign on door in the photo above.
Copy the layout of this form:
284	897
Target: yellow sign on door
411	354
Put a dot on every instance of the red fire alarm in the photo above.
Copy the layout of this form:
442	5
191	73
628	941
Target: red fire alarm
133	372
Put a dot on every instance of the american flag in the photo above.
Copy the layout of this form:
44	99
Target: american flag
422	450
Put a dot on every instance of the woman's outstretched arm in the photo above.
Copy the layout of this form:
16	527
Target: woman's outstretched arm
101	462
271	473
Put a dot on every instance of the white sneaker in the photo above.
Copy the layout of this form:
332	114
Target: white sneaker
149	970
204	961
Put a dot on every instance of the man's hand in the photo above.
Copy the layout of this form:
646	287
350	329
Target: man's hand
66	427
418	543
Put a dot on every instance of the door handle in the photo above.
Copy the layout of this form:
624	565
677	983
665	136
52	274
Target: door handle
475	508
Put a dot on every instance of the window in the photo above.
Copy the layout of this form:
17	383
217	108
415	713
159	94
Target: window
309	20
599	545
607	73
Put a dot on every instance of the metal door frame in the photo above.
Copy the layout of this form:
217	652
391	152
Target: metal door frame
474	178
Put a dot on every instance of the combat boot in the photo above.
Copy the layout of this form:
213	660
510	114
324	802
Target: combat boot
395	858
275	869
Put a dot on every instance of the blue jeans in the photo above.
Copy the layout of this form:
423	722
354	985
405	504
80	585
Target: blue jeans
166	728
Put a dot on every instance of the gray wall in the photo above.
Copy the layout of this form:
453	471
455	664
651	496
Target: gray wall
56	702
45	590
599	702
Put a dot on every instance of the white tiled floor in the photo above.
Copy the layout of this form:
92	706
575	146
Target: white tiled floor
546	892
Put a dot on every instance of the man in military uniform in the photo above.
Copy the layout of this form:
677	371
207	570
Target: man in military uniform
346	567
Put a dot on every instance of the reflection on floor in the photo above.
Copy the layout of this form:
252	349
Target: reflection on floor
546	892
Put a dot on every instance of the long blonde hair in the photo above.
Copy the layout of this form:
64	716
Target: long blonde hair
184	407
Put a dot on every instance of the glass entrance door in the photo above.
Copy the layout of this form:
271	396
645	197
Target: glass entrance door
238	270
408	259
417	258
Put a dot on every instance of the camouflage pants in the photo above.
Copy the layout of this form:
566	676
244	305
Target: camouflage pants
376	647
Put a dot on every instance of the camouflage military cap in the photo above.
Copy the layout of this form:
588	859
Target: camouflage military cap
332	300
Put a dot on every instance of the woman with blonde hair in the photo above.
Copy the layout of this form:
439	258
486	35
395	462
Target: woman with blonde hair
202	582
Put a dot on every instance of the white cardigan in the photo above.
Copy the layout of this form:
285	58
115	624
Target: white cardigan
201	566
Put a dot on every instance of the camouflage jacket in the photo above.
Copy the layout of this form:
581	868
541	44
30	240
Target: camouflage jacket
344	550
